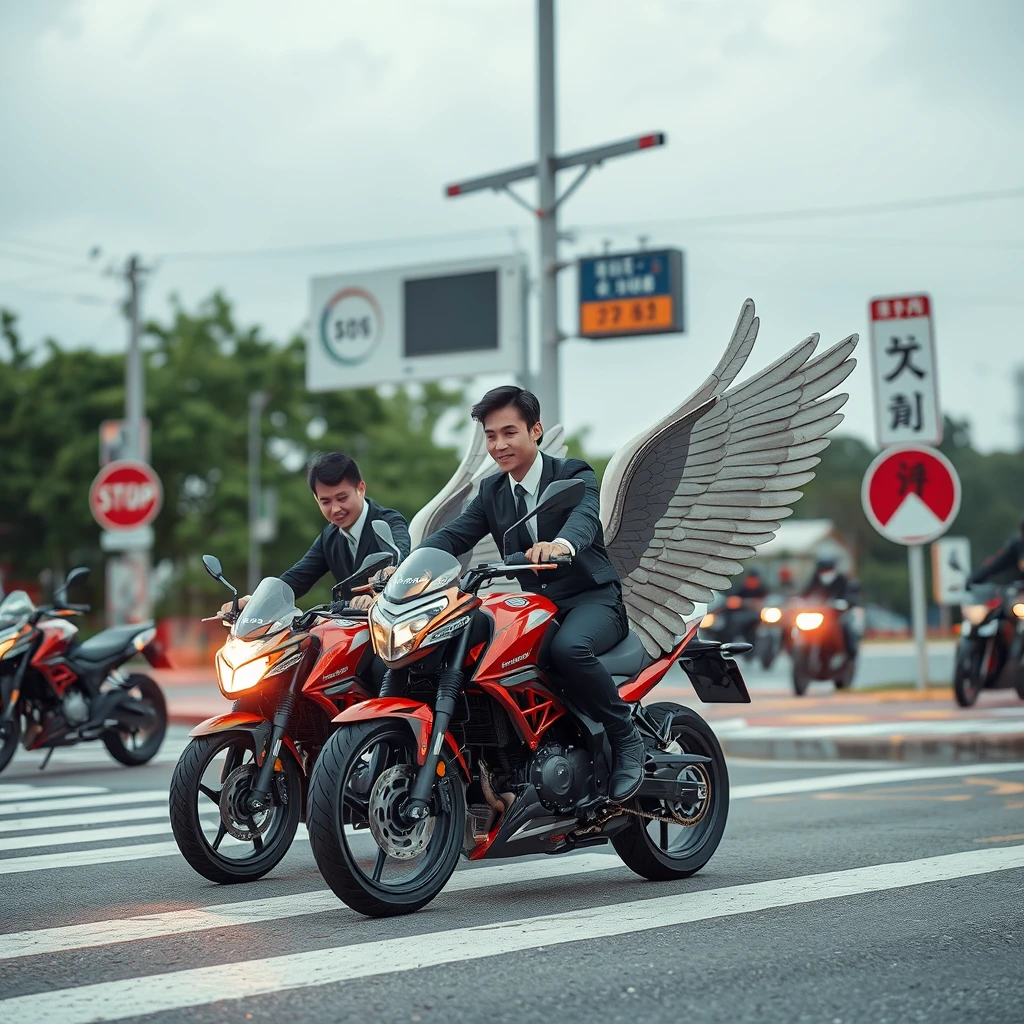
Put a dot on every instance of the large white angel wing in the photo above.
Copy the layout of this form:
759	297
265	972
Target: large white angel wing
449	502
702	488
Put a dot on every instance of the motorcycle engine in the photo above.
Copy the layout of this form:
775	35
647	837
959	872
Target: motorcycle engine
75	708
559	774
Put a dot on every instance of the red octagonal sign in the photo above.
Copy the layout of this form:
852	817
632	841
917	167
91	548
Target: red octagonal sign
911	494
125	495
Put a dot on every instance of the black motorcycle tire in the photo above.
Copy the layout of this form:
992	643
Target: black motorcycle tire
634	844
967	681
115	743
9	738
801	670
188	831
844	677
331	851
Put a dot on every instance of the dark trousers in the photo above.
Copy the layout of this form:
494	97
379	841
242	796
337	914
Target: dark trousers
592	623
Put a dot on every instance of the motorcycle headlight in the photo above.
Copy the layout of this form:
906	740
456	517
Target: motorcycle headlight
974	613
238	669
708	621
771	615
809	620
1018	609
394	638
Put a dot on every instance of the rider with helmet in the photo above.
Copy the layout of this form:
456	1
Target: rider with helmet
1009	556
828	585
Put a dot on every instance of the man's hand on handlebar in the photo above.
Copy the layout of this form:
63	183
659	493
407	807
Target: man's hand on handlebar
242	602
361	601
545	551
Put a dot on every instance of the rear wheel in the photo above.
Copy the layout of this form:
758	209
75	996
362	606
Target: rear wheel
374	860
140	745
212	825
663	850
10	733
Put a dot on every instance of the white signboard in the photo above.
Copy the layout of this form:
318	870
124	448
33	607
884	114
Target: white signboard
951	565
904	371
417	323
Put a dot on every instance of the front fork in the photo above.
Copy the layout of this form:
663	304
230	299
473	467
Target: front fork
449	688
260	796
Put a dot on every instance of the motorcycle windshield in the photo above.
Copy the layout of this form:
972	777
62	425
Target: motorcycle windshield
423	572
270	609
15	607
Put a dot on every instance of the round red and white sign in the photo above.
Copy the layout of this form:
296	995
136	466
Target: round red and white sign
911	494
125	495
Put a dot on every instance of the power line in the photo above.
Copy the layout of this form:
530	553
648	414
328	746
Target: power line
27	243
965	243
8	255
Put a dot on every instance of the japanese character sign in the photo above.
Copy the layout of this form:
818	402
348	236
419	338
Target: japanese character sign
904	371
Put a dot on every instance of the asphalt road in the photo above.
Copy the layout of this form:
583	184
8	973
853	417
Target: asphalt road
840	893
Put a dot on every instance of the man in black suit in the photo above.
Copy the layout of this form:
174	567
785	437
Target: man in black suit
587	592
348	538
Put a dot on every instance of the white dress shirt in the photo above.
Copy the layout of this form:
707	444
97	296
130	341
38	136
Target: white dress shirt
531	484
355	531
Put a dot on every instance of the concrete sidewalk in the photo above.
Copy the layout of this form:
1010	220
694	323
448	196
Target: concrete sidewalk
879	725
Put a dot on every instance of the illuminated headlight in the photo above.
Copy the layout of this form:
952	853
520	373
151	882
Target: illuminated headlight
237	670
974	613
394	638
708	621
1018	610
809	620
771	615
7	644
144	639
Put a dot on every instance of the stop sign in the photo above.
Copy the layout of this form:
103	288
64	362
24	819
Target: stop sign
911	494
125	494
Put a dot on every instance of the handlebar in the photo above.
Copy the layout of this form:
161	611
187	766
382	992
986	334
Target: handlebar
518	560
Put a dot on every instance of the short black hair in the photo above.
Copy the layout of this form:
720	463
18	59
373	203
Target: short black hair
331	469
523	401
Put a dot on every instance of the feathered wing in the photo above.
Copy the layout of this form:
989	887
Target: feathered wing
476	465
683	502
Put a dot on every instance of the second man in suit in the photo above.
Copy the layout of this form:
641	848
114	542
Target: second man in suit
587	593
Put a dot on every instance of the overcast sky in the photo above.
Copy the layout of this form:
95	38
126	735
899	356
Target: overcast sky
194	127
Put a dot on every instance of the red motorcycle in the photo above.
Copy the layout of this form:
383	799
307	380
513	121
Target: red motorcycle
481	756
238	790
814	639
68	691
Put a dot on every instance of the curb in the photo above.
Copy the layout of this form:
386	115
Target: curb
966	748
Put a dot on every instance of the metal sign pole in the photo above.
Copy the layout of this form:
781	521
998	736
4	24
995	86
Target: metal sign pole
915	560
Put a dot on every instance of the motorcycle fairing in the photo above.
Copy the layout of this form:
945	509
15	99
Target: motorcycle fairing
244	721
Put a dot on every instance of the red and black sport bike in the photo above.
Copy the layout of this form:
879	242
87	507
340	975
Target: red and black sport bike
56	690
471	750
238	791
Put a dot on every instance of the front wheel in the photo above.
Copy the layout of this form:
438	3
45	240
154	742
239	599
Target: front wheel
374	860
967	680
10	733
214	828
140	745
663	850
801	670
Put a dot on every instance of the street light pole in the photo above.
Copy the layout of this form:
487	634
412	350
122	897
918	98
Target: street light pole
257	403
134	376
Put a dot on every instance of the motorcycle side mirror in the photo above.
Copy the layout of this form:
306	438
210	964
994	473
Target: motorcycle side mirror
76	575
558	495
214	568
383	532
371	563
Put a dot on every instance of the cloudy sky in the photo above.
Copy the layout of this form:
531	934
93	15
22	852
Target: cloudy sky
209	135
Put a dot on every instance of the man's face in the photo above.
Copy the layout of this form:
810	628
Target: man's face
511	444
341	504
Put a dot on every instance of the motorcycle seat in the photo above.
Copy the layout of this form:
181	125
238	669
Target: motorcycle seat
108	644
626	658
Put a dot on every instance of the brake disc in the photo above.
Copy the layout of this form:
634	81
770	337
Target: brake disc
392	834
234	812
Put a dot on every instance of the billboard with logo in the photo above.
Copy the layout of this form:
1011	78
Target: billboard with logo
417	323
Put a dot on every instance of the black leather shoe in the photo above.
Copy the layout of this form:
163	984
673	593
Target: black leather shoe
627	767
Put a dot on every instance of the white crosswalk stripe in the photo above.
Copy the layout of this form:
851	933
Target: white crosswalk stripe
199	986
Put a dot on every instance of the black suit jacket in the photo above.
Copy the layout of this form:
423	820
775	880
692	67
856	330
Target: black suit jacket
330	552
493	511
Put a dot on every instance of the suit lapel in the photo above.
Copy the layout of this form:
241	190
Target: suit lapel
367	539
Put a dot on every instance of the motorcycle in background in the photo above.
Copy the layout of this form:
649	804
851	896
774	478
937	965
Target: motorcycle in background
769	634
60	691
817	646
990	651
238	791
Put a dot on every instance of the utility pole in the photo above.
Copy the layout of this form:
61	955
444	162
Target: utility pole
134	372
546	385
257	403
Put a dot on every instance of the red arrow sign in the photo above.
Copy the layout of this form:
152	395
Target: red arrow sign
911	494
125	495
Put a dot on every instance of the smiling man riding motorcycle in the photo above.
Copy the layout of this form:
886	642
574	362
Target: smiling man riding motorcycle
588	593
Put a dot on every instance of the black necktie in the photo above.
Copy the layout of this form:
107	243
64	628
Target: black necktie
524	539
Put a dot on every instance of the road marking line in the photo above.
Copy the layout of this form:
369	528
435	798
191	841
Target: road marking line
85	858
227	915
40	792
1001	839
84	818
135	997
98	835
108	799
869	778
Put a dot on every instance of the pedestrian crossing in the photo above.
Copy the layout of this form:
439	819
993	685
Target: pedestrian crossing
69	829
